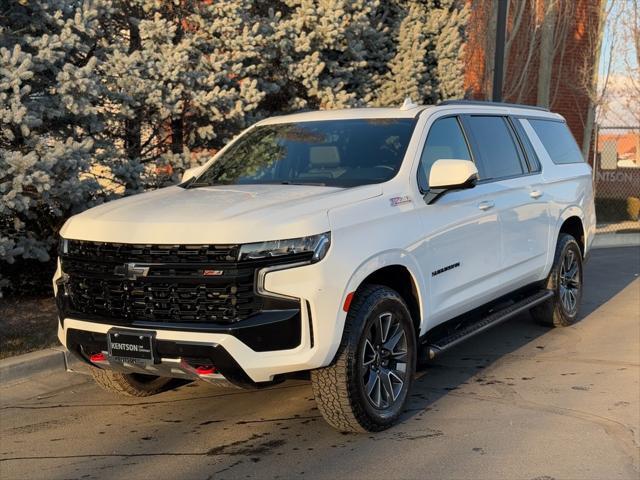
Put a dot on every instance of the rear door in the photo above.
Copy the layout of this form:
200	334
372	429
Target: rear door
508	163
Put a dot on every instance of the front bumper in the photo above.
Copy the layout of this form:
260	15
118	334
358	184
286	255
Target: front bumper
183	360
263	332
229	352
317	330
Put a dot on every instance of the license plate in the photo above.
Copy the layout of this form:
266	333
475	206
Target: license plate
130	347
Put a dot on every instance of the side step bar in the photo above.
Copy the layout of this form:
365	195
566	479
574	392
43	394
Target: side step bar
442	345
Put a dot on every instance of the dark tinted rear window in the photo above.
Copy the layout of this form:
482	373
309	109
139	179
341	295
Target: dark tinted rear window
496	147
532	156
557	141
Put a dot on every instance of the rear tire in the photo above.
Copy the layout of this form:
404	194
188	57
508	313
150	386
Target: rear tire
130	384
565	280
366	387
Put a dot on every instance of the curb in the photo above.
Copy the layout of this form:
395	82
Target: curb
612	240
42	361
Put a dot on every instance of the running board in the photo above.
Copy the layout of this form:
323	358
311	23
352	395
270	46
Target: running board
442	345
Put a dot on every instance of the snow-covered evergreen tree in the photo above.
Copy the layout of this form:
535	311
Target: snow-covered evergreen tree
447	24
178	79
333	51
48	112
428	61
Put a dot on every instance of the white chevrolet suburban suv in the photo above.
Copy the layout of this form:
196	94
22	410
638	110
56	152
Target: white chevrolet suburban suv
344	245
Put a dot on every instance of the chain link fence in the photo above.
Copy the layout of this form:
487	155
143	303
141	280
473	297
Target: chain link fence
616	172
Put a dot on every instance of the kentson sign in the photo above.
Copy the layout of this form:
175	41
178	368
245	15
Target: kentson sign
619	183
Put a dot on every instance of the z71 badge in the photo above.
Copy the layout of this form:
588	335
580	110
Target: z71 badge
395	201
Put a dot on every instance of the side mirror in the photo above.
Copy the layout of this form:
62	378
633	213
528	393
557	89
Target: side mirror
189	173
450	174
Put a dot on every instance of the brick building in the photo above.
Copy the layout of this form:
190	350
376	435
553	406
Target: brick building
568	35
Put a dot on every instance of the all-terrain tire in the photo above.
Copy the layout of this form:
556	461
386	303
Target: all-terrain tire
130	385
554	312
338	388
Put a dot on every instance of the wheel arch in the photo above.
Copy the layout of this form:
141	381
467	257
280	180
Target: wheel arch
572	222
396	270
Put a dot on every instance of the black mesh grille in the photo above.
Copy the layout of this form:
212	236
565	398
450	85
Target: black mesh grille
163	301
180	284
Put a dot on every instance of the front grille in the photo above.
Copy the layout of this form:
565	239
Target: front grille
190	302
146	253
200	284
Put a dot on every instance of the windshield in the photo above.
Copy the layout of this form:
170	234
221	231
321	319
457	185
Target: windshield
336	153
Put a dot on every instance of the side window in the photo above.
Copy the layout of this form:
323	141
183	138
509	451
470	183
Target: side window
495	145
444	141
530	152
557	141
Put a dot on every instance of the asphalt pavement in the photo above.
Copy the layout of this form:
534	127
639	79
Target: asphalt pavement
518	402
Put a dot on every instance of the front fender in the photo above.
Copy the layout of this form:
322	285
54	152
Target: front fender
390	258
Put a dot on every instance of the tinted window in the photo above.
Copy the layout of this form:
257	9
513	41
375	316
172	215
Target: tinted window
339	153
557	141
532	156
445	140
496	147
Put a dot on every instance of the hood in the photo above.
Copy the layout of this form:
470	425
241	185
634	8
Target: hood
221	214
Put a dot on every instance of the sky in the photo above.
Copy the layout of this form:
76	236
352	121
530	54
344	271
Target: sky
614	33
622	60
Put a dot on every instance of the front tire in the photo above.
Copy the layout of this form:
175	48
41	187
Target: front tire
130	384
366	387
565	280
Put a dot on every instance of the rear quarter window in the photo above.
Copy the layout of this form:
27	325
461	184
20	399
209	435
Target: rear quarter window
557	141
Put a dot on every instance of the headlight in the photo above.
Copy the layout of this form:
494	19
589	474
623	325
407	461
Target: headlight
316	244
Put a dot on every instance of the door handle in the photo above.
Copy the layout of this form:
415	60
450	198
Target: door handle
535	193
486	205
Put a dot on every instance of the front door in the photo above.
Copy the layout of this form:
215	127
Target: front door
460	253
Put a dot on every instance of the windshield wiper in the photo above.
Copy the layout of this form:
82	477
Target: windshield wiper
192	184
195	185
286	182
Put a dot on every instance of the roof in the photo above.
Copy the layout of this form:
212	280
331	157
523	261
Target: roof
487	103
412	112
344	114
499	108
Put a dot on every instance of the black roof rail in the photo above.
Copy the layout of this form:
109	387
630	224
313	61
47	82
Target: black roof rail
488	103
